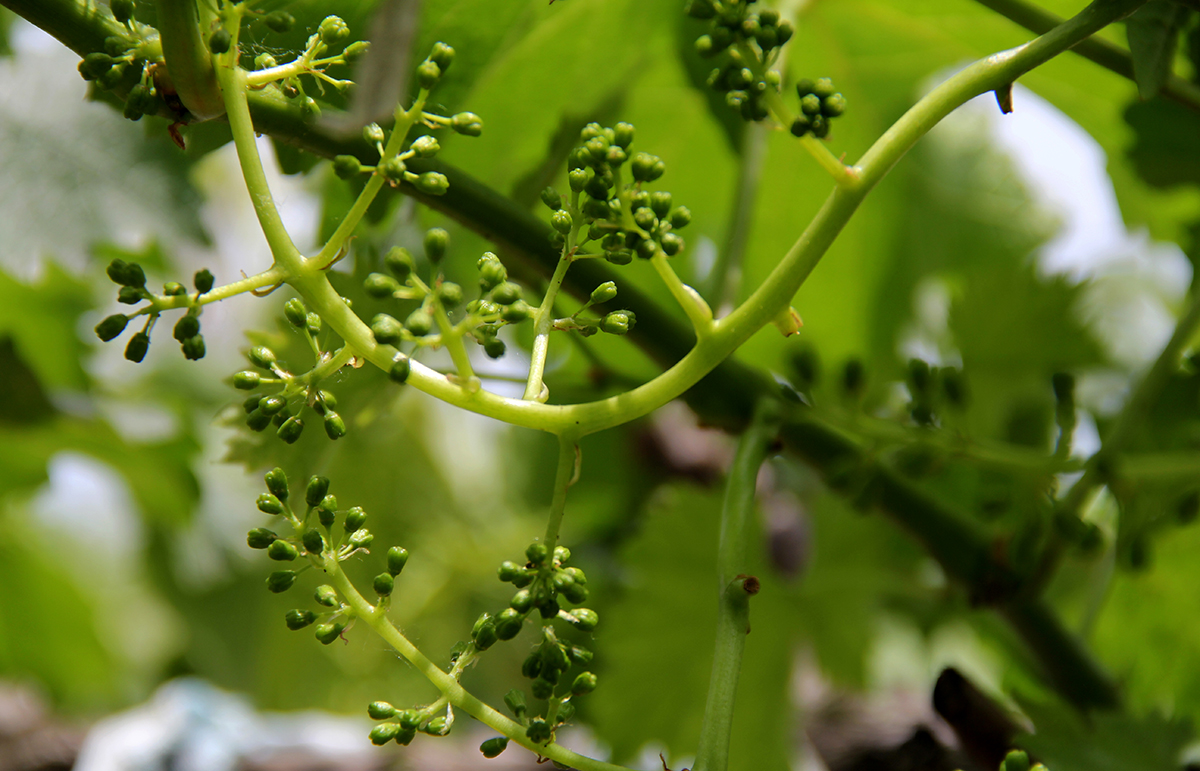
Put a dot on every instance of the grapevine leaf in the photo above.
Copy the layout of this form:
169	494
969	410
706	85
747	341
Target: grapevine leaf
1164	151
1153	31
1105	741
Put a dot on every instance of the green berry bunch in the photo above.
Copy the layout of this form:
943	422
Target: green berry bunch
291	393
392	165
132	280
621	217
131	65
750	42
313	61
617	322
819	104
442	309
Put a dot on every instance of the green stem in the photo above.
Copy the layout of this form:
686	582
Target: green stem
689	299
564	476
1108	55
734	591
543	321
452	339
188	60
721	286
450	688
268	278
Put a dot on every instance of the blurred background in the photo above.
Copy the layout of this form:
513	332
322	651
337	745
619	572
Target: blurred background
135	631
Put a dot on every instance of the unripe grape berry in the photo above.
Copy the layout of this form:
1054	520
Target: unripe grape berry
397	558
419	322
380	285
383	584
494	746
335	427
111	327
442	55
295	311
436	241
314	542
261	356
355	519
298	619
220	41
584	683
585	620
279	21
260	538
316	490
282	551
347	166
467	123
381	710
427	74
432	183
281	580
328	632
522	601
384	732
277	484
400	369
386	329
269	504
508	623
135	351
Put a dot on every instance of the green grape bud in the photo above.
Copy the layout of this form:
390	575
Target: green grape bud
517	312
312	324
130	295
584	683
524	578
380	285
823	87
522	601
783	31
291	429
272	405
386	329
506	293
203	281
492	272
326	595
442	55
509	570
660	202
277	483
279	21
138	102
419	322
333	30
258	420
542	689
399	262
409	718
111	327
187	326
494	348
361	538
574	593
854	378
577	179
450	294
515	701
425	146
95	65
261	356
397	558
384	583
116	46
585	620
282	551
193	348
135	351
551	198
356	517
494	746
619	256
532	665
623	135
313	542
706	47
281	580
260	538
801	125
486	637
220	41
539	731
548	608
766	37
316	490
335	426
373	133
436	727
834	105
355	51
327	511
811	104
579	655
467	123
122	10
400	369
1016	760
537	553
126	273
508	624
381	710
174	289
392	170
269	504
384	732
432	183
647	168
428	74
347	166
295	311
561	221
298	619
264	61
671	244
406	736
247	380
436	241
562	554
328	632
618	322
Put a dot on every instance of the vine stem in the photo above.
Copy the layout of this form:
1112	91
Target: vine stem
734	591
566	471
451	689
543	321
697	310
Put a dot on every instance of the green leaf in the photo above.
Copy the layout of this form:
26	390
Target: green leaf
41	318
1153	31
1104	741
1166	148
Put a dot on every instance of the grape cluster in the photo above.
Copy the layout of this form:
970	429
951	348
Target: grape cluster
819	104
132	280
751	41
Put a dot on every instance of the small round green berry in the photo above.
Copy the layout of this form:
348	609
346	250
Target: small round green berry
522	601
381	710
584	683
328	632
298	619
262	357
400	369
347	166
387	330
260	538
419	322
618	322
380	285
509	623
467	123
316	490
432	183
671	243
138	345
279	21
397	558
294	310
383	584
246	380
203	281
282	551
111	327
494	746
269	504
537	553
333	30
584	620
220	41
281	580
436	241
314	542
428	74
335	426
187	326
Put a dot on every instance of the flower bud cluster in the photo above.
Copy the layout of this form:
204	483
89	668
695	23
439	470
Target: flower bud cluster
132	280
820	103
750	42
